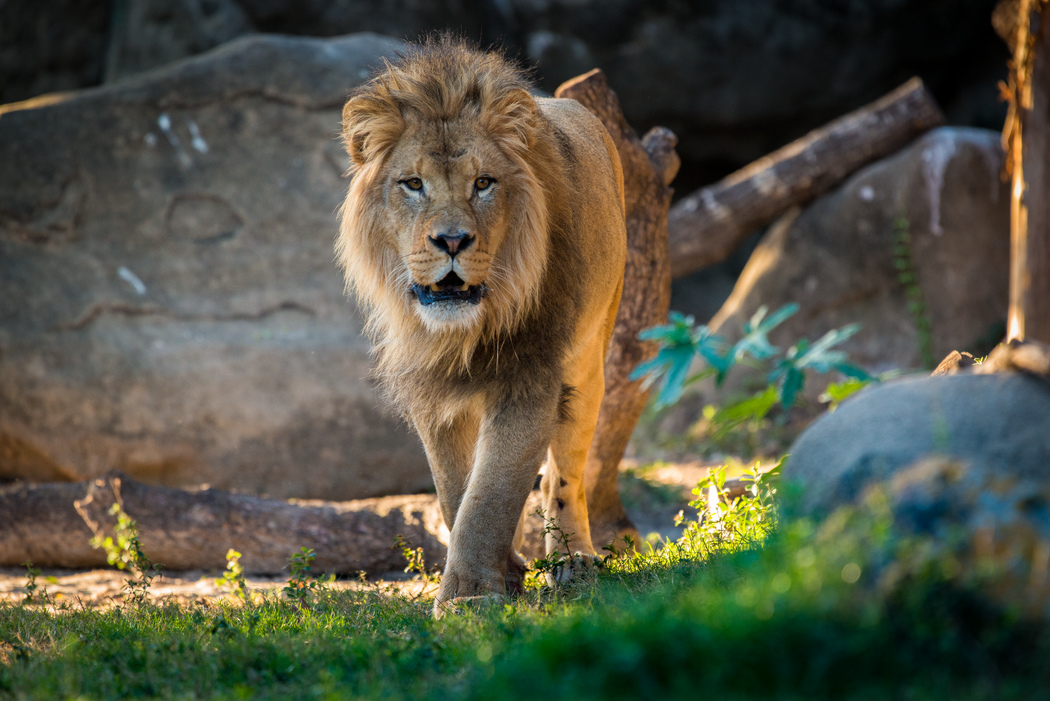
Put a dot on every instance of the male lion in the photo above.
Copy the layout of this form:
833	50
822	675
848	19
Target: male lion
483	233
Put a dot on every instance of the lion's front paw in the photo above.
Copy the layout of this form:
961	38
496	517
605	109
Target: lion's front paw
461	587
465	603
573	567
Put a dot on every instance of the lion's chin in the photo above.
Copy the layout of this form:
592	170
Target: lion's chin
449	315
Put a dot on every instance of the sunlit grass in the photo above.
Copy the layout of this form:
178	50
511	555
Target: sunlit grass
742	606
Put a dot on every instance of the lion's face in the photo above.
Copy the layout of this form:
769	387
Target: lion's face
447	187
444	233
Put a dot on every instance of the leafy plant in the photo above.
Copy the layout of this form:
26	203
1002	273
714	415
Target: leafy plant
233	578
728	521
416	561
301	583
681	341
31	586
549	564
125	553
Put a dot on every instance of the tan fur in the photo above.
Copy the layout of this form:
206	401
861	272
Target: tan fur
493	387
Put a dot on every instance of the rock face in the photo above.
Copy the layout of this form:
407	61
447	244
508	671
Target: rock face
998	423
168	301
840	259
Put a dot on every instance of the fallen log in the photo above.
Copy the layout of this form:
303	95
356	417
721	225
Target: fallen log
649	166
705	227
186	529
52	524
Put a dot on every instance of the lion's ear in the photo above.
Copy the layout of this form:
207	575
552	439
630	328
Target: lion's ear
371	127
511	118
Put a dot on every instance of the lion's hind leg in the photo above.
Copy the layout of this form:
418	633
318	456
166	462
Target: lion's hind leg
564	488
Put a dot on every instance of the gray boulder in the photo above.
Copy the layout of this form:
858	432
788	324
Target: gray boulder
839	258
995	423
169	305
958	466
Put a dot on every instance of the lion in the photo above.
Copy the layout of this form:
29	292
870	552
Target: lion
483	235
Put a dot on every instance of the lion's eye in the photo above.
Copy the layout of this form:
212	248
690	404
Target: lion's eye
483	183
413	184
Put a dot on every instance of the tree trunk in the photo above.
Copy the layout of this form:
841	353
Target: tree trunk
708	225
1027	140
649	166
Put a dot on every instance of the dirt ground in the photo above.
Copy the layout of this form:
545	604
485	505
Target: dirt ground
652	496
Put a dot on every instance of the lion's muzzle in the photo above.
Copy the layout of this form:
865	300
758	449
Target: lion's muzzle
450	290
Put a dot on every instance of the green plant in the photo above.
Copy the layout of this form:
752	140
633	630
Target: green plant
31	586
682	340
729	521
233	578
125	553
301	583
416	561
907	276
543	568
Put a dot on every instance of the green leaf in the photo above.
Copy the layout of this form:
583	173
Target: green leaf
853	372
756	334
679	342
789	389
753	407
838	391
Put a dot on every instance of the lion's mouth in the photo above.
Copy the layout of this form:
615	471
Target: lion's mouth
450	288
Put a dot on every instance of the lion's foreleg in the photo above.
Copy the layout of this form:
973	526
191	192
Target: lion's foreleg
513	441
449	446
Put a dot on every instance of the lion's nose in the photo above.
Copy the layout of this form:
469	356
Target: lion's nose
452	243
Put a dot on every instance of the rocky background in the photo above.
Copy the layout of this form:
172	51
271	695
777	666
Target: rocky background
734	80
168	302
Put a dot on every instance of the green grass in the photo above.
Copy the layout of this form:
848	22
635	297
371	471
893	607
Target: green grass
738	609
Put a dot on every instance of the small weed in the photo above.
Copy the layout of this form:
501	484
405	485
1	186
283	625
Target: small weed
31	586
907	276
125	553
727	521
416	561
233	578
547	565
300	582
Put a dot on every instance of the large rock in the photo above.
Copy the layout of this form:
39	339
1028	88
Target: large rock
168	301
838	258
999	423
955	469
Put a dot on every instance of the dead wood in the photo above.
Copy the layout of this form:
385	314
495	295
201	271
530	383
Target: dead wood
708	225
184	529
649	166
1026	136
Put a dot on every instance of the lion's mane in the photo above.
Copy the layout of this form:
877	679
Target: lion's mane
442	81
